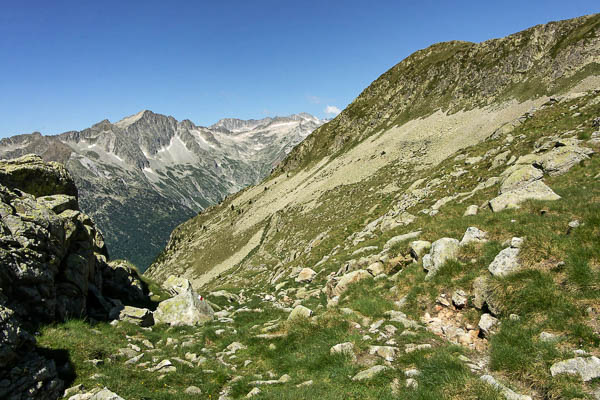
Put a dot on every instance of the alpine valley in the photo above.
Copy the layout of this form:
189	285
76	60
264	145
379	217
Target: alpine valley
141	177
438	239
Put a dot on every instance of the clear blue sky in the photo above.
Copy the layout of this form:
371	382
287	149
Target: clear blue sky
68	64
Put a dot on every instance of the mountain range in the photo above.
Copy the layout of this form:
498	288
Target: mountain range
140	177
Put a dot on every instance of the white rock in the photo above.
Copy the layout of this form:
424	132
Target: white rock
300	312
486	323
473	235
442	250
587	368
306	275
506	392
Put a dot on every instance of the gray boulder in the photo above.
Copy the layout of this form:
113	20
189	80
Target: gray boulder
139	316
508	393
442	250
507	261
473	235
184	309
300	312
519	176
536	190
587	368
369	373
560	159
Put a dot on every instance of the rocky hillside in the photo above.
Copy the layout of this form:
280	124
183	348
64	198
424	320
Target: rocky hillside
437	239
53	267
142	176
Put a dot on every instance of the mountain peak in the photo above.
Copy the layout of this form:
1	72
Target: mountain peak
127	121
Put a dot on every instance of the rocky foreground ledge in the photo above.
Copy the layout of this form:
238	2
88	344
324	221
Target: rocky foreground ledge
53	266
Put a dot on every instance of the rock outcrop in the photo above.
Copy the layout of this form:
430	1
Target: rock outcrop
53	266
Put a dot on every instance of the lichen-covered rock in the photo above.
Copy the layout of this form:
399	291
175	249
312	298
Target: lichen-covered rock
508	393
300	312
369	373
122	281
306	275
349	278
507	261
587	368
562	158
184	309
33	175
139	316
418	248
536	190
473	235
442	250
52	266
519	176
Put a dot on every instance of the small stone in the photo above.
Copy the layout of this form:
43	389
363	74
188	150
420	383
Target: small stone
346	348
369	373
471	210
412	383
193	390
459	299
300	312
253	392
306	275
548	337
486	324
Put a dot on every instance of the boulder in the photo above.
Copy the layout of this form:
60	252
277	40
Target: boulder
347	279
376	268
471	210
519	176
507	261
401	238
300	312
418	248
369	373
230	297
473	235
459	298
306	275
587	368
560	159
486	324
536	190
388	353
139	316
442	250
121	280
24	373
184	309
176	285
344	348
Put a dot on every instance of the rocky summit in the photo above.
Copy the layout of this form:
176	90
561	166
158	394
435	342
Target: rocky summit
142	176
438	239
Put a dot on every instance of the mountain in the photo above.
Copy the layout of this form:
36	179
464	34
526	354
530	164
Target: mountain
421	112
437	240
142	176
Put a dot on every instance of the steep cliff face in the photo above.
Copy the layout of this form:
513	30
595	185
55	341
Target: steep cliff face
142	176
431	105
53	266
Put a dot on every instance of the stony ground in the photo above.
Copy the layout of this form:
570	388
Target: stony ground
474	279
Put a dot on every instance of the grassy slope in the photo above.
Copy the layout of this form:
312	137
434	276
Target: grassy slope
548	296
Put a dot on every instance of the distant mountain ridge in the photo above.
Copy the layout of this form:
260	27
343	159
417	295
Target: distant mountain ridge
143	175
